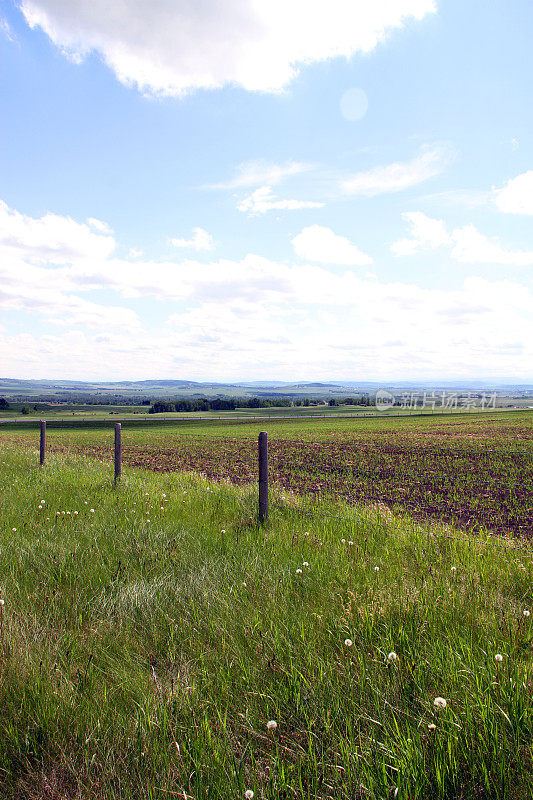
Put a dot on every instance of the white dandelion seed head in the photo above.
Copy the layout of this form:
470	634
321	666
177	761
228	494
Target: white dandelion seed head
305	564
350	544
2	602
376	569
272	725
392	656
439	702
348	642
498	657
432	726
40	507
526	612
298	571
14	530
343	541
91	511
249	794
453	569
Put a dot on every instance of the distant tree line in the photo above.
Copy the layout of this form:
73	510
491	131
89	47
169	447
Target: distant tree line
216	404
230	404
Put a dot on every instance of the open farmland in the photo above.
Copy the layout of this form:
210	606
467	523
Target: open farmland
475	471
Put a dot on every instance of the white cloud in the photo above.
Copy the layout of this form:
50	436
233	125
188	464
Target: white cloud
516	197
425	232
473	247
263	200
200	240
253	318
317	243
468	245
400	175
52	238
175	46
256	173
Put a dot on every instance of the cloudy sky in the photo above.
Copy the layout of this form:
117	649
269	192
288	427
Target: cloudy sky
266	189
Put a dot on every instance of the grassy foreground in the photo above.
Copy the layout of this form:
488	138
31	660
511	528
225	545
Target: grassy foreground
149	633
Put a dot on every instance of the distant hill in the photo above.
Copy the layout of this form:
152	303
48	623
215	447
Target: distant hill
21	389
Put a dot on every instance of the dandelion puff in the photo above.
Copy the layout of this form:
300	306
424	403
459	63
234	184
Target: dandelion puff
14	530
498	657
432	726
91	511
526	612
2	602
272	725
348	642
249	794
453	569
305	564
343	541
350	544
376	569
392	656
439	702
40	507
298	571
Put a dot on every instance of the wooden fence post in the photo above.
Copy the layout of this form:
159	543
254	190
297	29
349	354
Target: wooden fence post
118	451
42	446
263	477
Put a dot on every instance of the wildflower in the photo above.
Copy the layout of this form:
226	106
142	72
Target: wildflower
43	502
40	508
432	726
350	543
392	656
439	702
453	569
298	571
76	513
348	642
272	725
68	512
244	583
2	602
85	502
343	541
249	794
498	657
307	533
526	612
376	569
147	520
14	530
305	564
222	531
163	495
91	511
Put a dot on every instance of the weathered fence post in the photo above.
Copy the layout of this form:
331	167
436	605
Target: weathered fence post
42	447
118	451
263	477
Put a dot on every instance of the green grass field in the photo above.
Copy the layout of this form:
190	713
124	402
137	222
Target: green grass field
150	632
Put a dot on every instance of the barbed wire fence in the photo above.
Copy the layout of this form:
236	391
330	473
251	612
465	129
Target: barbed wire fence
475	485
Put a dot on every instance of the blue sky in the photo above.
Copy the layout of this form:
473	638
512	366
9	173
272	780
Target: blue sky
266	190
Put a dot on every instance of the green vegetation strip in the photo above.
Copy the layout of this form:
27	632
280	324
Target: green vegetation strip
149	634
